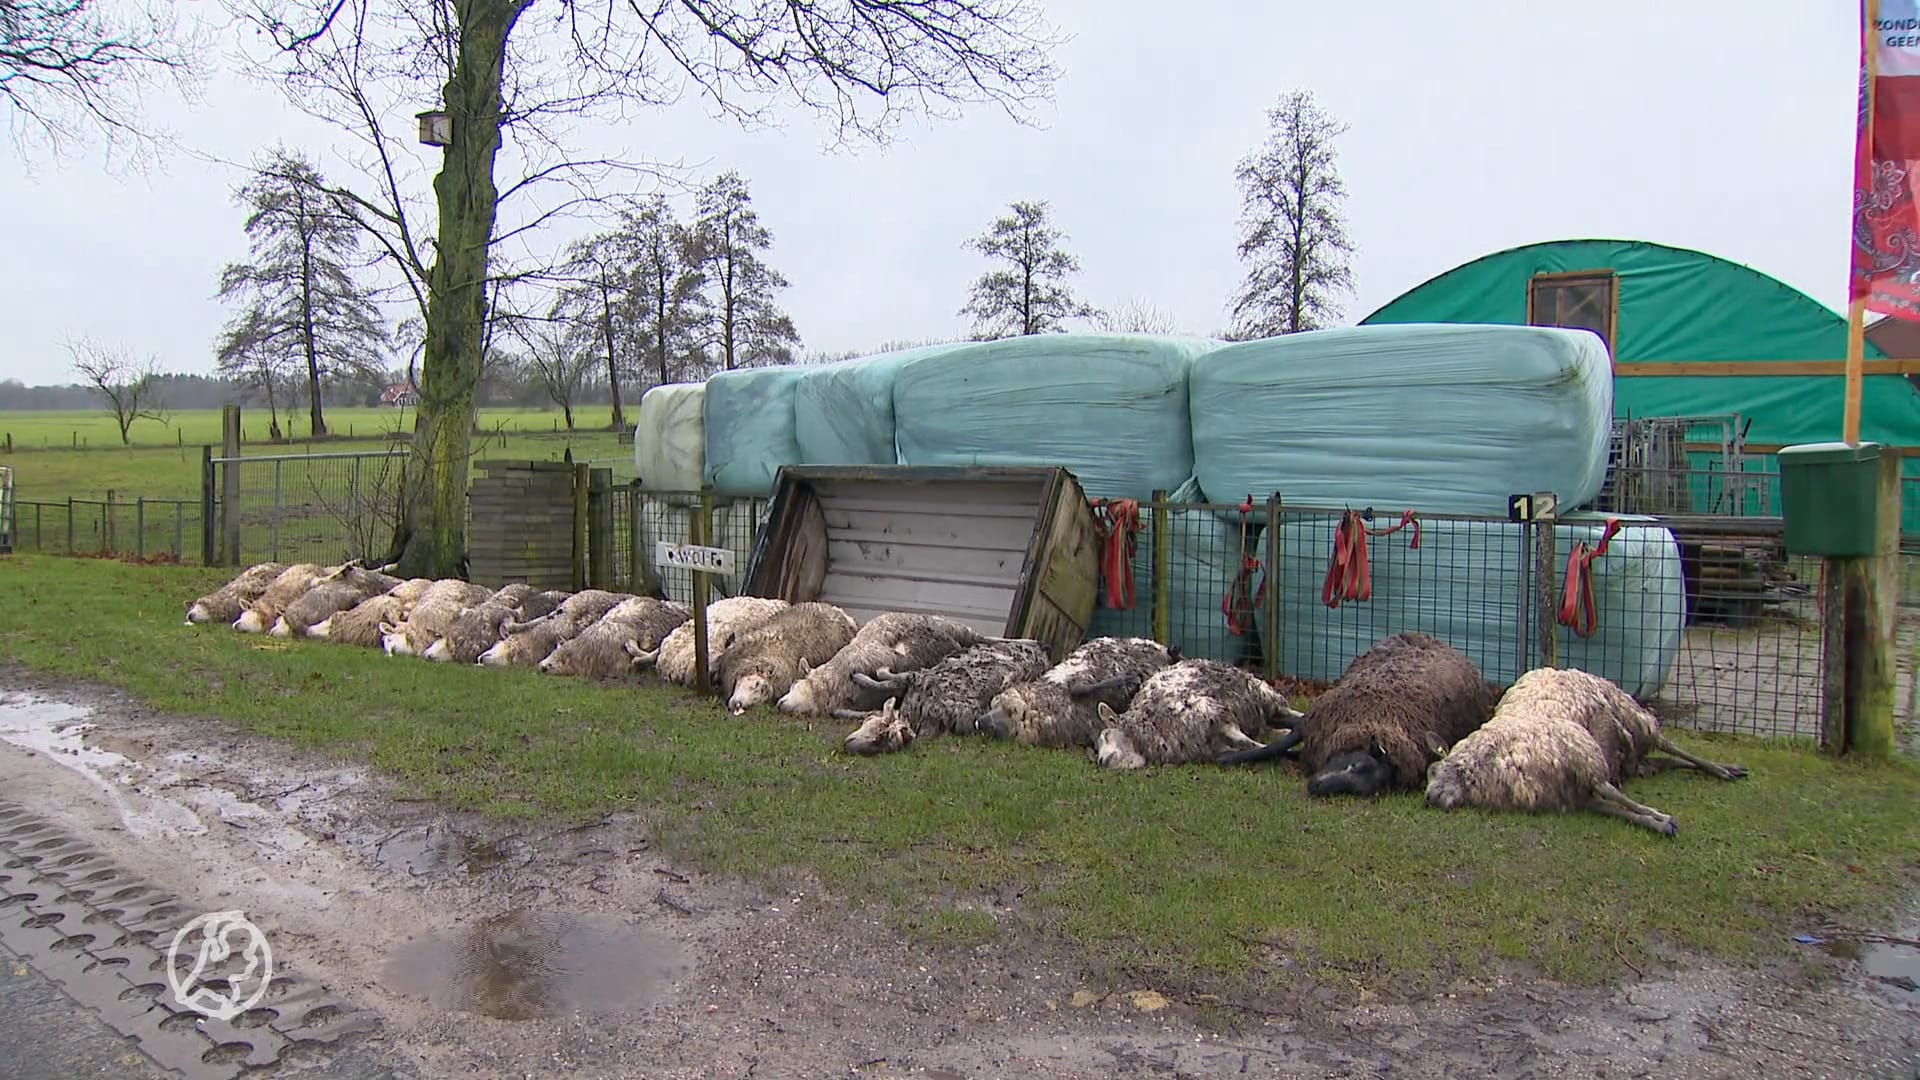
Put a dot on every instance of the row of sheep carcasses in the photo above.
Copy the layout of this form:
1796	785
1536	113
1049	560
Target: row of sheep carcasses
1409	713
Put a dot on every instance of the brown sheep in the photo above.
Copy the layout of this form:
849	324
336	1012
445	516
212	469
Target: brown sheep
287	586
330	596
600	651
1190	712
427	621
476	628
360	624
1060	709
1395	709
1539	754
764	662
224	604
946	698
893	642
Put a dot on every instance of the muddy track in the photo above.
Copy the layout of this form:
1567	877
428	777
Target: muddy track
482	948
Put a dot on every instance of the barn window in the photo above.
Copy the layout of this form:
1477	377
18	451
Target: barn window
1588	300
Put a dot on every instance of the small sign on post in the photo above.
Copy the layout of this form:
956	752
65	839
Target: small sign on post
706	560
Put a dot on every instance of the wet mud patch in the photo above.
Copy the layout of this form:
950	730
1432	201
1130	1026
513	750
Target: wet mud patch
522	964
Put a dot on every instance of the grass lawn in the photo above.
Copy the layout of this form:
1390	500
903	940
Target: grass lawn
1182	871
164	460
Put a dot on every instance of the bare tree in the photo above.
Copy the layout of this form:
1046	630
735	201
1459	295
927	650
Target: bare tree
726	243
247	354
1293	237
1030	295
368	64
129	386
301	292
1136	316
600	297
557	358
72	64
672	287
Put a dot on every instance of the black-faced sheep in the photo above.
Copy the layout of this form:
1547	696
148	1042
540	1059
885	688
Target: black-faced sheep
1395	709
947	697
765	661
287	586
1192	711
1060	709
892	642
600	650
337	592
430	617
727	620
1539	754
224	604
477	628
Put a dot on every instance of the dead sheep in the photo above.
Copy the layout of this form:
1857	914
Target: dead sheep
1192	711
1393	711
541	604
287	586
892	641
1060	709
331	595
600	650
728	619
528	646
477	627
1539	753
946	698
575	613
360	624
768	659
224	604
429	618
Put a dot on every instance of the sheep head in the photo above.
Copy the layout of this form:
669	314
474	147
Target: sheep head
1358	772
251	621
883	732
1112	749
800	700
440	652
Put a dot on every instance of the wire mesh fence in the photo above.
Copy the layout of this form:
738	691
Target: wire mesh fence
644	518
143	528
1705	618
323	508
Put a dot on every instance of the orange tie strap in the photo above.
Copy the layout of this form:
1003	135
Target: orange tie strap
1579	609
1349	573
1118	521
1241	599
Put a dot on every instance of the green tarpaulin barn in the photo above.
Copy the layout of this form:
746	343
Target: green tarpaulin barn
1691	334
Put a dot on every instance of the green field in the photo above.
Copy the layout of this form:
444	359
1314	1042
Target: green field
1193	875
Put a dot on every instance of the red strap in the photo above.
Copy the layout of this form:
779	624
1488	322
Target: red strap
1579	609
1118	521
1349	572
1237	605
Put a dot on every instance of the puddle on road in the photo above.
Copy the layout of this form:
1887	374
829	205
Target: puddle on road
1891	964
528	965
434	849
58	730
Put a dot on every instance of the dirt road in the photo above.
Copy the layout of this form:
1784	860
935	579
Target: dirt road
456	947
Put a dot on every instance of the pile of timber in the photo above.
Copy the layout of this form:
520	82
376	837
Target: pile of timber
1733	575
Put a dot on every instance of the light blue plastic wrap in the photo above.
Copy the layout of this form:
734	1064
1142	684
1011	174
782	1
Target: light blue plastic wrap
1204	559
1110	408
843	412
749	414
1438	418
1465	586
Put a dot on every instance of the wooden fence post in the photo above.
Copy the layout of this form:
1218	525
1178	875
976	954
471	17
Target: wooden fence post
600	528
580	479
207	525
1162	567
230	486
1270	640
1859	605
1546	577
702	529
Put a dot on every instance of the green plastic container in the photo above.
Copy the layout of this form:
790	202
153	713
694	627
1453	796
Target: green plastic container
1828	492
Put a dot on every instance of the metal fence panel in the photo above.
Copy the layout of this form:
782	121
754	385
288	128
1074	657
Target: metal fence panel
323	508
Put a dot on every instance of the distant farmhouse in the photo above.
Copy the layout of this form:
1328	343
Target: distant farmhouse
401	394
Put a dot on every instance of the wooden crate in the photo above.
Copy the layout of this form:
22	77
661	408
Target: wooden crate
1010	551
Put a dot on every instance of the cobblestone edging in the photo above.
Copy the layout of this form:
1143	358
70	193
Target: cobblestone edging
100	933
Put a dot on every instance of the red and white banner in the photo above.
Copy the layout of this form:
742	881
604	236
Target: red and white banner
1886	162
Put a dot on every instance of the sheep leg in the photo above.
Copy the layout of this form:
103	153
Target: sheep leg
1274	749
1688	760
1610	800
1237	739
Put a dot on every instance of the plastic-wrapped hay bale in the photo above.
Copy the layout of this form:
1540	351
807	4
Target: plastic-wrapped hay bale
1204	558
660	522
670	437
843	412
749	416
1465	585
1110	408
1442	418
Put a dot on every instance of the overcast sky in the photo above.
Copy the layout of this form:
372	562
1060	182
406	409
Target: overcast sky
1472	127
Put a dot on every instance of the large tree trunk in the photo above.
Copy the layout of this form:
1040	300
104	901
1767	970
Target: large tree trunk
433	531
317	422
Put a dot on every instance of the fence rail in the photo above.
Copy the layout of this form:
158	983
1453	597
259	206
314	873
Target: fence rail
141	527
